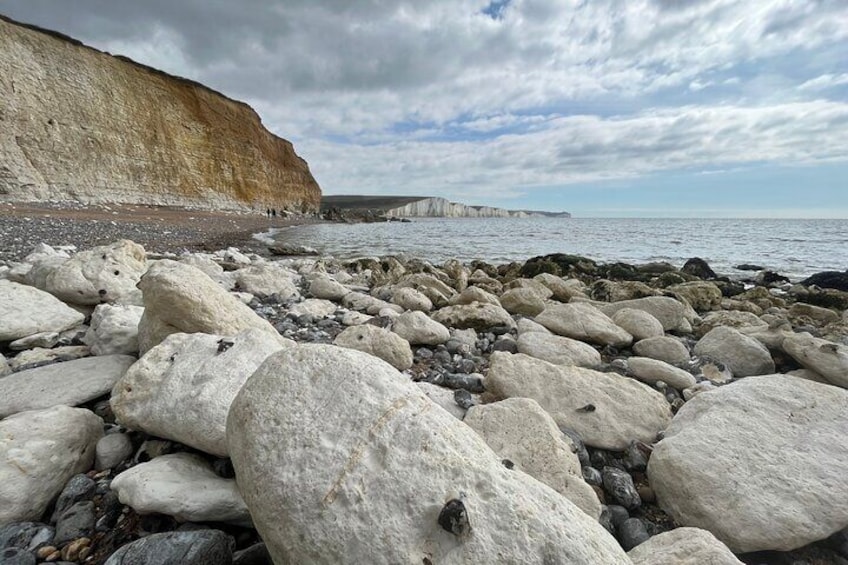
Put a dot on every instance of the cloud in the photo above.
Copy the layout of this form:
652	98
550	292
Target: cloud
823	82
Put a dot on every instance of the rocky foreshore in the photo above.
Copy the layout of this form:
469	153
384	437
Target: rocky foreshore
228	407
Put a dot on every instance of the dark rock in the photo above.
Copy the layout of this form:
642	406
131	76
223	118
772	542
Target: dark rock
605	519
578	447
770	277
256	554
28	536
827	298
618	515
463	399
16	556
454	518
749	267
156	523
601	458
443	357
668	279
424	353
636	456
466	366
111	509
828	279
508	464
631	533
730	289
291	250
79	488
75	522
621	272
592	476
619	484
204	547
508	345
471	383
697	267
559	264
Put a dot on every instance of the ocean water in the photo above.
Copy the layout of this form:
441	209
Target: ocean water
794	248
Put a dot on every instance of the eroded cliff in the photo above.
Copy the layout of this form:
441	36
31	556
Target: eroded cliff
442	208
80	124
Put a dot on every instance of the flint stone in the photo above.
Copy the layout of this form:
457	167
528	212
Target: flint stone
418	329
623	409
322	286
826	358
70	383
199	547
182	388
181	298
683	546
108	273
378	342
410	299
632	533
477	316
524	301
743	355
650	371
26	310
75	522
184	486
390	461
518	429
664	348
40	451
16	556
558	350
79	489
785	436
619	484
583	322
27	536
114	330
638	323
669	312
474	294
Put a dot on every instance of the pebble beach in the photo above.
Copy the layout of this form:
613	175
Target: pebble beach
173	392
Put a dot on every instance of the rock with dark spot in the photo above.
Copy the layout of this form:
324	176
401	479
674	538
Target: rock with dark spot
202	547
454	518
16	556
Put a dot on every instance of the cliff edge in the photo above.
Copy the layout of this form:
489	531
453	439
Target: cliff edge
442	208
80	124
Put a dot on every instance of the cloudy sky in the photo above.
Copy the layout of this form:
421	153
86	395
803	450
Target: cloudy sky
599	107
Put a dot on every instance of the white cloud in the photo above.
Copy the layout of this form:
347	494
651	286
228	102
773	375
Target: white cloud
822	82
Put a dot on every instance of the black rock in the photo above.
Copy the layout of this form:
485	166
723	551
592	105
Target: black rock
454	518
203	547
749	267
605	519
455	346
636	456
463	399
828	279
697	267
592	476
578	446
619	484
28	536
111	509
443	357
618	515
79	488
471	383
498	330
16	556
223	467
75	522
424	353
466	366
769	277
256	554
508	345
631	533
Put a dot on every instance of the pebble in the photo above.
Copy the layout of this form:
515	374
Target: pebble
619	485
632	532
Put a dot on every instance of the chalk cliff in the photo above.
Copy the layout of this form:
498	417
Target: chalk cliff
80	124
441	208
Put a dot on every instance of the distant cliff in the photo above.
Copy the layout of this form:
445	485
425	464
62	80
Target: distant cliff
441	208
79	124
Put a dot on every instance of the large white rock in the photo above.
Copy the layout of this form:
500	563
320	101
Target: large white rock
181	298
315	307
606	409
474	294
518	429
107	273
265	280
557	349
683	546
759	463
381	343
69	383
524	301
322	286
826	358
182	388
671	313
638	323
665	348
341	459
114	329
184	486
411	299
26	310
652	370
418	329
477	316
583	322
743	355
40	451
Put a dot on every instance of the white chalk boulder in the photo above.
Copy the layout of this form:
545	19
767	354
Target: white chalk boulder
26	310
114	329
828	359
583	322
557	349
418	329
683	546
388	346
743	355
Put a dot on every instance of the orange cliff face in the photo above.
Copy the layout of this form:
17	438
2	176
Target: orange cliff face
79	124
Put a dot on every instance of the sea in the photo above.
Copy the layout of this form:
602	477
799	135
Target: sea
793	248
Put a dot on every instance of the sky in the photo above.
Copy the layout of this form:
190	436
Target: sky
650	108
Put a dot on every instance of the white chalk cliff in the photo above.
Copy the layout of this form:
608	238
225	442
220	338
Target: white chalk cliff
442	208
